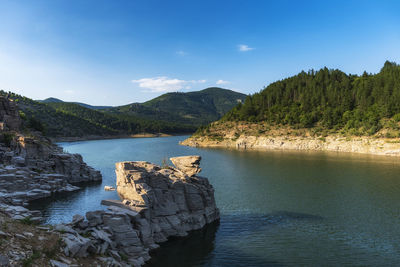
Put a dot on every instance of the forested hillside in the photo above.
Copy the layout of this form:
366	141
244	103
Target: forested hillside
329	99
193	108
59	119
121	123
169	113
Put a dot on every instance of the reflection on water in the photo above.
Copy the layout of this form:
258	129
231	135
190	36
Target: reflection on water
278	208
197	247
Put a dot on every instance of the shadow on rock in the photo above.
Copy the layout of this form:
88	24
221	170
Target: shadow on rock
192	250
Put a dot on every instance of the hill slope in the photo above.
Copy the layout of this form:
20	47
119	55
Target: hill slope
56	100
328	99
194	108
318	110
60	119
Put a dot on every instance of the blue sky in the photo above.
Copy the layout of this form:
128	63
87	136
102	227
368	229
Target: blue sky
118	52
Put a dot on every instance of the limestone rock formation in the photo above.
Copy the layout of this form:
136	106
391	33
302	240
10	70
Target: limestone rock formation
190	165
157	203
32	167
175	203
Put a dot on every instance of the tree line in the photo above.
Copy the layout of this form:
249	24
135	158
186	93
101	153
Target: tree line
327	98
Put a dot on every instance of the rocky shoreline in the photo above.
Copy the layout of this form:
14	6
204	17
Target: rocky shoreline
335	143
156	203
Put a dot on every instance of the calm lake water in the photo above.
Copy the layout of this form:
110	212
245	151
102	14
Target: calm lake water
278	208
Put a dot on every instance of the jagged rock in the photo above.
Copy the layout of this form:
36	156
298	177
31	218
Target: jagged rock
77	219
190	165
94	218
64	228
76	245
174	204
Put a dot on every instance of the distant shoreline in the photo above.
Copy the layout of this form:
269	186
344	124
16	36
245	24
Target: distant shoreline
363	145
106	137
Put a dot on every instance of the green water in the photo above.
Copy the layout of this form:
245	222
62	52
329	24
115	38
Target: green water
278	208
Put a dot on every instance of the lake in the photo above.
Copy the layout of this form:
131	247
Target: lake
278	208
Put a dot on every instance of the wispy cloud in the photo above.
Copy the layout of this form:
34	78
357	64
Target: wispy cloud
181	53
70	92
244	48
219	82
165	84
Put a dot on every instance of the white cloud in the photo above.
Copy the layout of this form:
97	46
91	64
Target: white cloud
219	82
181	53
70	92
165	84
244	48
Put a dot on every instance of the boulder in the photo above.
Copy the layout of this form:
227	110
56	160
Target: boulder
190	165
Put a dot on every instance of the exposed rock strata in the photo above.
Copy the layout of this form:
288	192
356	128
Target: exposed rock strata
190	165
157	203
364	145
32	167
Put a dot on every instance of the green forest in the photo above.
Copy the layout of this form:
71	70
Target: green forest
330	99
73	120
191	108
169	113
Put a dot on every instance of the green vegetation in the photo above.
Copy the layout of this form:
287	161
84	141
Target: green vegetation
328	100
170	113
120	123
193	108
57	119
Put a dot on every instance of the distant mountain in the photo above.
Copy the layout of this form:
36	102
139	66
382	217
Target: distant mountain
56	100
194	108
51	100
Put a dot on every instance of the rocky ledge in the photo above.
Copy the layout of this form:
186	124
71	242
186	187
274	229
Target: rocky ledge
31	166
156	203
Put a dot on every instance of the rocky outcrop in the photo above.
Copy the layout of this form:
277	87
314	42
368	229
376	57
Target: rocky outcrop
19	185
32	167
175	203
40	154
190	165
157	203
